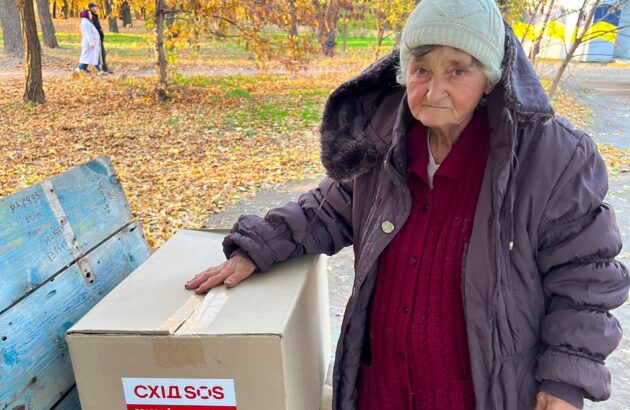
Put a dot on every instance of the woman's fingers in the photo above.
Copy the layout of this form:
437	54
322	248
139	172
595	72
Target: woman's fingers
212	281
231	273
201	277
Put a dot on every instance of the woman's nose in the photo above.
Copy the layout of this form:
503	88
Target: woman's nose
435	90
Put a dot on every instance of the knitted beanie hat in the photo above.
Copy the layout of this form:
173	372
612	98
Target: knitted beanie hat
473	26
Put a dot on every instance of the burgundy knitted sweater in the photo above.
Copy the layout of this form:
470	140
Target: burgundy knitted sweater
418	345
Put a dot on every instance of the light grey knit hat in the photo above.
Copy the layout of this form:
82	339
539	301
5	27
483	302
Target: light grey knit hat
473	26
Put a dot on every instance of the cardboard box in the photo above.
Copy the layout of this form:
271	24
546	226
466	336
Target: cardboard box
151	344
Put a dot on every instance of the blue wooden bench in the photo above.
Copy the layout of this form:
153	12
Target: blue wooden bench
64	244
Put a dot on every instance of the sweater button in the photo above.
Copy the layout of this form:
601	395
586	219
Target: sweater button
387	227
401	356
412	261
406	309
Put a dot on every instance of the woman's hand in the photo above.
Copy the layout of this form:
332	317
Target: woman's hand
546	401
92	46
230	273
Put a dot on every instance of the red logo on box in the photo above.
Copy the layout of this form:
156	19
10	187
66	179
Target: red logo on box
179	394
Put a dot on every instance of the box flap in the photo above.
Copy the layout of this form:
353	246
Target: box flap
152	300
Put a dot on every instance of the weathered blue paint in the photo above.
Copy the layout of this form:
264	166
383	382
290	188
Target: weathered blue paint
32	243
10	357
33	330
64	244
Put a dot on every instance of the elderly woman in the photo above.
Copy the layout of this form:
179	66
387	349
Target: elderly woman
484	254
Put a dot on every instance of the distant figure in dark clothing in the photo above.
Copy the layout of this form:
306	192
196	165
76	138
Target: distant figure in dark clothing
93	7
125	12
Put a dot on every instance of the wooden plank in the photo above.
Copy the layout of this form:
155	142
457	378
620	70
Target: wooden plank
70	401
35	369
46	227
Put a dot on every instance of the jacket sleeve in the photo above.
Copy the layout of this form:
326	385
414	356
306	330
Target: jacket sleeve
320	222
579	240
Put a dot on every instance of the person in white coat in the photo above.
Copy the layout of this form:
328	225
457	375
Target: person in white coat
90	45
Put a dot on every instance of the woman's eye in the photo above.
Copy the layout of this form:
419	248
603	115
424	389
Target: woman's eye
421	71
458	73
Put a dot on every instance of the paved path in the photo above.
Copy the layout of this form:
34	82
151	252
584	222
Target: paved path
610	126
607	91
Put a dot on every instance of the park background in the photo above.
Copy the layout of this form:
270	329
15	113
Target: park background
214	106
243	91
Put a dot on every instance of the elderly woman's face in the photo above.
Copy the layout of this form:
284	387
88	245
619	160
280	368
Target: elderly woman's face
444	87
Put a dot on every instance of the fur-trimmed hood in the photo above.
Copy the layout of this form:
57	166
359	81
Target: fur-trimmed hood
360	115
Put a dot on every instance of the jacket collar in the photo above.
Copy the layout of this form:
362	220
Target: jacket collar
369	113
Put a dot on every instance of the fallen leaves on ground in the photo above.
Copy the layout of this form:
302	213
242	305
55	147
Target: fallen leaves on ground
566	105
617	159
212	144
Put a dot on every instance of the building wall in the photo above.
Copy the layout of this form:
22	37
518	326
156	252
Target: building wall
622	47
605	22
559	35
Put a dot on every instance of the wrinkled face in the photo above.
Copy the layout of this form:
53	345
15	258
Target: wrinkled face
444	87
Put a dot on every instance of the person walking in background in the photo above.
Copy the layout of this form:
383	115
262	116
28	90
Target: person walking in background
125	13
90	45
93	7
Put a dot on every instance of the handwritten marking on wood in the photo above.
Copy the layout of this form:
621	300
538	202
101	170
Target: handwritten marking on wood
46	227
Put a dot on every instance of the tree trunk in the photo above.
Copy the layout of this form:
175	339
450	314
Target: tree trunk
54	9
66	9
578	40
532	21
380	35
345	36
533	53
111	18
293	16
45	21
160	53
10	19
34	90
